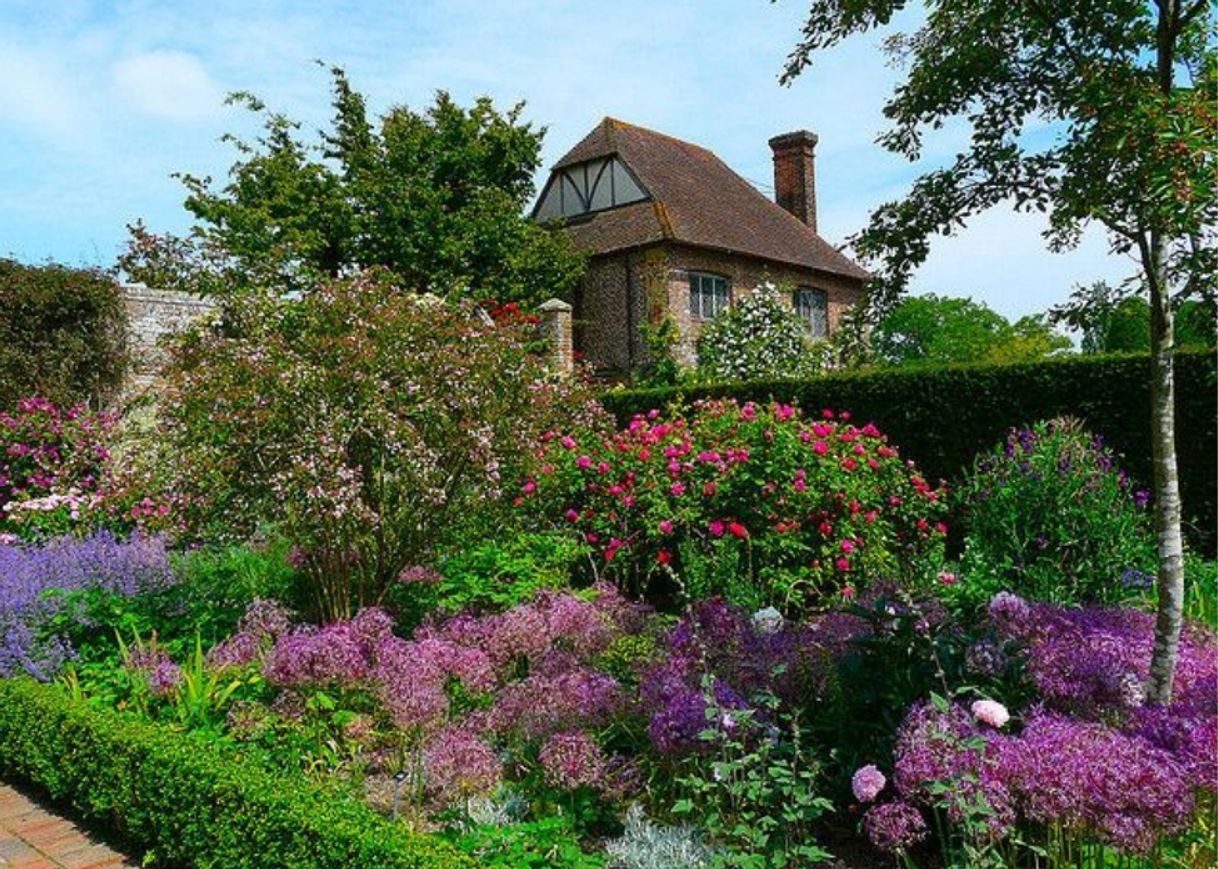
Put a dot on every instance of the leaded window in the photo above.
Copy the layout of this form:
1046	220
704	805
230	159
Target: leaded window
812	306
709	295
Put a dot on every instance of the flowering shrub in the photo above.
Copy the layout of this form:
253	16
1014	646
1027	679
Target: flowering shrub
36	583
757	503
370	422
1049	514
757	337
51	467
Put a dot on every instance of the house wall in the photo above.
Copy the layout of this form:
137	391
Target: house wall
656	280
152	315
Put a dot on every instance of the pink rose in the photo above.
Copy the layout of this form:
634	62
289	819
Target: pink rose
990	712
867	782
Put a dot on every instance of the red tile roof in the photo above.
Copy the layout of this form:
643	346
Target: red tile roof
695	199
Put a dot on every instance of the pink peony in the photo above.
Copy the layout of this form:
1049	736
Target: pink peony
867	783
665	526
990	712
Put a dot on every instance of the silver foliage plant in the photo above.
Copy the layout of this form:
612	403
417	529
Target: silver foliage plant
646	845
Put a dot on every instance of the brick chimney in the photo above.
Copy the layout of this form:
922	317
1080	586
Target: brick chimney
795	174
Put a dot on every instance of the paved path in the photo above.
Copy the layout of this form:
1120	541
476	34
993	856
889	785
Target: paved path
33	838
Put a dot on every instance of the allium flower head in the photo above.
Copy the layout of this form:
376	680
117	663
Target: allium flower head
867	782
990	712
459	765
572	760
894	827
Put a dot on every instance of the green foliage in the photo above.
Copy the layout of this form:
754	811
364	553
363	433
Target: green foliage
1114	321
755	791
938	330
1049	516
371	424
545	843
189	800
61	336
758	336
495	576
943	417
436	199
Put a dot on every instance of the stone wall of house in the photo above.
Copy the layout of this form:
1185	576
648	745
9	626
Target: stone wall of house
657	280
151	315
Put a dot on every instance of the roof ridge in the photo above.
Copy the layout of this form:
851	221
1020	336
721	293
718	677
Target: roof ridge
620	124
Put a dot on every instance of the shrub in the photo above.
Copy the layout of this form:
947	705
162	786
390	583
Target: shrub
757	337
52	464
1049	514
371	423
61	336
190	800
755	503
942	417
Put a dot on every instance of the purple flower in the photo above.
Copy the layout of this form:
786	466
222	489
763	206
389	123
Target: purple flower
460	765
572	760
894	827
866	783
309	656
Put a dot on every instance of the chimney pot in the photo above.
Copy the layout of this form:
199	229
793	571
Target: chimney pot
795	174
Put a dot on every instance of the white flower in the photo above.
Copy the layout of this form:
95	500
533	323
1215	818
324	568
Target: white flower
990	712
767	621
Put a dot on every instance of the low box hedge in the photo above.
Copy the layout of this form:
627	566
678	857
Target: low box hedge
190	800
942	417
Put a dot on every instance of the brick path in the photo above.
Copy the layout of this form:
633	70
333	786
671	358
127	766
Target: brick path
33	838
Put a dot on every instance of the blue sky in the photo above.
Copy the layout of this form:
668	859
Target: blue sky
103	100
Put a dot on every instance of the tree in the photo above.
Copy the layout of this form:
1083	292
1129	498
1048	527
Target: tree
62	334
435	199
1132	150
938	329
1113	322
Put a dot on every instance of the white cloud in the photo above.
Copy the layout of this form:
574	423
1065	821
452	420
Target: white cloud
168	84
37	97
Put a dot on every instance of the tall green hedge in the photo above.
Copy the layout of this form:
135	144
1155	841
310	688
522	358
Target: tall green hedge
941	417
192	801
62	334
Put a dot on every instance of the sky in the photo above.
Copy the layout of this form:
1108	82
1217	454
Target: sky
102	101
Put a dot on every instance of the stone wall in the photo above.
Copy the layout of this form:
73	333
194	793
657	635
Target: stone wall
656	280
151	315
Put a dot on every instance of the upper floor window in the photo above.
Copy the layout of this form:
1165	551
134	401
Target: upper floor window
812	306
708	295
587	187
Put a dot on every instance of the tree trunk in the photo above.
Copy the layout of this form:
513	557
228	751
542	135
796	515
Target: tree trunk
1170	544
1166	484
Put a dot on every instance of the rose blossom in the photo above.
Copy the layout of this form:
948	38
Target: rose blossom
990	712
867	782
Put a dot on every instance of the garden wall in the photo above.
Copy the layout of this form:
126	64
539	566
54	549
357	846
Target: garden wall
941	417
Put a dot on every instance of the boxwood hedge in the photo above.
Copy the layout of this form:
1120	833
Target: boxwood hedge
941	417
190	800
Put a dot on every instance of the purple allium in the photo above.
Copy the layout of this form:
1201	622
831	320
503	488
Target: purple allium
544	704
572	760
460	765
371	627
521	632
867	782
1116	786
575	624
677	727
236	651
1009	610
164	678
417	574
316	657
265	619
894	827
985	658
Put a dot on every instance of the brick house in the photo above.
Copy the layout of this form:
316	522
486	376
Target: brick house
670	228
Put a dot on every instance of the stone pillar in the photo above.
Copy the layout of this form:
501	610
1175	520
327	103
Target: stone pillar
556	328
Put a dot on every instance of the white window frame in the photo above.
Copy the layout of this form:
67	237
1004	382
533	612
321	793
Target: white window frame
709	295
814	316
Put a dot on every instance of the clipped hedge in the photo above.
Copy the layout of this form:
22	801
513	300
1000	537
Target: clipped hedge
941	417
191	800
62	334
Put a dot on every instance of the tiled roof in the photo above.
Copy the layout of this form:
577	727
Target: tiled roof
697	200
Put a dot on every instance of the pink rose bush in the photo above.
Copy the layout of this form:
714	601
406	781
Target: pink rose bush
801	507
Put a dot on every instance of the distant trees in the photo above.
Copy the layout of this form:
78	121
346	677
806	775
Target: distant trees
435	199
1111	321
938	329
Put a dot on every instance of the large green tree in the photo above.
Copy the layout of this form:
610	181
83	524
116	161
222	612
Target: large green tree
939	329
1126	89
436	199
1113	321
